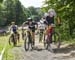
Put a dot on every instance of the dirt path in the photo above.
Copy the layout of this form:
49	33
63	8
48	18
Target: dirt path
21	54
42	54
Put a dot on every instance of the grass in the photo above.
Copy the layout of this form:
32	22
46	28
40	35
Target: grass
8	54
4	41
72	41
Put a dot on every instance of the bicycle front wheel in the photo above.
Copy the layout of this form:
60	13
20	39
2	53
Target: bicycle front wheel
26	44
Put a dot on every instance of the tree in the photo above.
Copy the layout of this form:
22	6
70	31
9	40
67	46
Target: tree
10	11
15	11
66	10
1	1
19	12
35	13
32	10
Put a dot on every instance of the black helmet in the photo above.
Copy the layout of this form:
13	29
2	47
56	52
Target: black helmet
29	19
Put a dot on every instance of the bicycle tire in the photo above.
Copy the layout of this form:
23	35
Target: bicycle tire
46	43
48	46
26	44
12	40
9	40
56	39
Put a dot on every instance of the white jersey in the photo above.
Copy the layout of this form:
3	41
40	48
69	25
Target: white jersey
13	28
41	25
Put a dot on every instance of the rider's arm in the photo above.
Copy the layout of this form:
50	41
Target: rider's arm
47	19
58	21
36	25
10	28
16	27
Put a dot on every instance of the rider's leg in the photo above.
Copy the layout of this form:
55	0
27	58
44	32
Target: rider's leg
12	35
41	35
18	36
46	32
33	38
50	32
23	34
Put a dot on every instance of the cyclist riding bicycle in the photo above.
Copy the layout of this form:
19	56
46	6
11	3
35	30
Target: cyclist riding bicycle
13	29
50	22
32	28
41	28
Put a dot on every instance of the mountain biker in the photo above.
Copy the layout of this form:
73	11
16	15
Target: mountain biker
31	26
50	22
41	27
13	29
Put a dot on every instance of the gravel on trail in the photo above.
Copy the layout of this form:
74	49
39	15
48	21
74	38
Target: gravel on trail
41	54
21	54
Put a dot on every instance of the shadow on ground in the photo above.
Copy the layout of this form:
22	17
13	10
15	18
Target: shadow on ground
66	49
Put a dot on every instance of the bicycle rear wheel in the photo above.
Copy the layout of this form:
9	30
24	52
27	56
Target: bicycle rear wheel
56	39
47	44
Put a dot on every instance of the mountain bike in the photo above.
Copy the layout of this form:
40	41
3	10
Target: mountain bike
28	43
13	39
52	38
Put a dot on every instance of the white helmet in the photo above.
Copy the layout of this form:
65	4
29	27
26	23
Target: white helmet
52	11
41	21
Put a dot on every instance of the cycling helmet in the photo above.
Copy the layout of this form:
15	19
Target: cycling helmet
12	22
29	19
52	12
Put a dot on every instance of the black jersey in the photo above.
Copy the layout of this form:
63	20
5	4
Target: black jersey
50	20
31	26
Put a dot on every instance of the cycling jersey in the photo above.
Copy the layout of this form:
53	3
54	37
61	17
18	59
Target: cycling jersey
31	26
49	20
13	28
41	25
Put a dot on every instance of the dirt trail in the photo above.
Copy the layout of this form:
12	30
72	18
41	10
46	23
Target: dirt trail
21	54
42	54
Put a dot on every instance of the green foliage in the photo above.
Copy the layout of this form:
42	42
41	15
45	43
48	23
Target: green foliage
34	13
66	10
12	10
1	1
